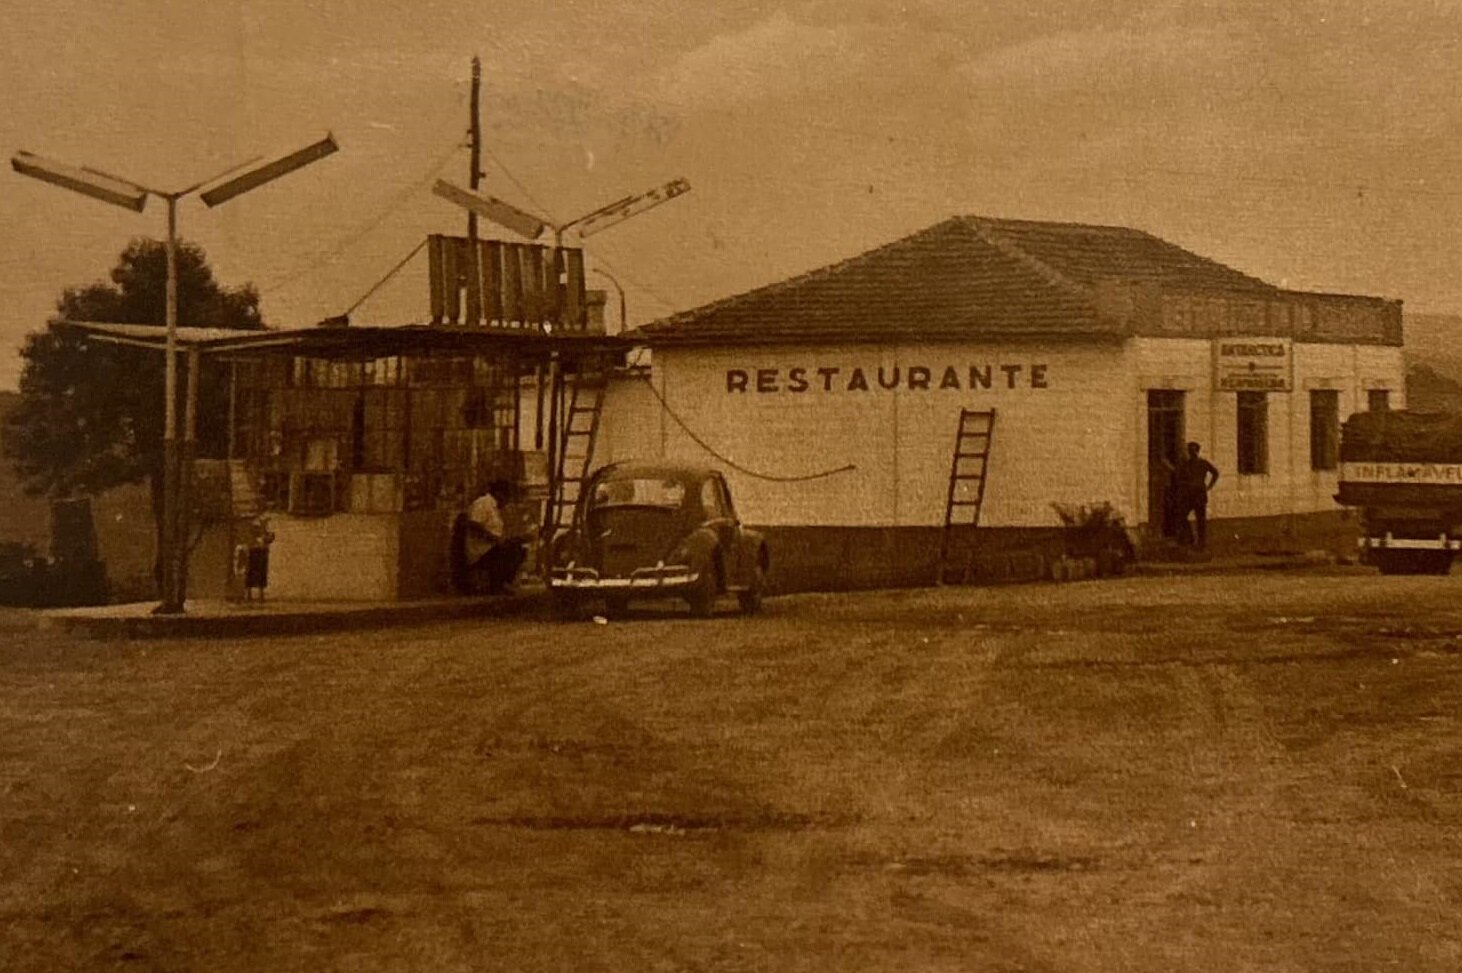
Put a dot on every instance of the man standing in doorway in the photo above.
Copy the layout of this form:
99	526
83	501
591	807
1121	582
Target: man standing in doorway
1193	478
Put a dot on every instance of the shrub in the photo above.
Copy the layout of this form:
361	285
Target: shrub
1096	531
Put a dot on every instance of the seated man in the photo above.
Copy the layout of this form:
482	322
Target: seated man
490	558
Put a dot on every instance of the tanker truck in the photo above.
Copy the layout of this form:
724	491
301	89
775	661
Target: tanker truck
1403	470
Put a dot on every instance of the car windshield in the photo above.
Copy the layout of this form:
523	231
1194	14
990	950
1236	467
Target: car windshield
639	492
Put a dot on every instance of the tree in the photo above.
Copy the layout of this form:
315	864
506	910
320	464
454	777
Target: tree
91	413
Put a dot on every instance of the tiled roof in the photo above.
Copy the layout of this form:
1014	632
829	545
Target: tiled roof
1087	254
965	277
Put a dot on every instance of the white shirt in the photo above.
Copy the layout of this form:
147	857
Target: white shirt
485	513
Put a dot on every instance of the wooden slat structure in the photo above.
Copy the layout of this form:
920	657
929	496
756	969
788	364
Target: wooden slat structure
506	285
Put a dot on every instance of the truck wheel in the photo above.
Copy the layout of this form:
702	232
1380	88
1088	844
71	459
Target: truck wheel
1394	562
1438	562
1414	562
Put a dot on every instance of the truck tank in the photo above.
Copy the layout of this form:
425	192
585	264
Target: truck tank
1404	471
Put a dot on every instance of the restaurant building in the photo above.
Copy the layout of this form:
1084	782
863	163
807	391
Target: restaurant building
833	400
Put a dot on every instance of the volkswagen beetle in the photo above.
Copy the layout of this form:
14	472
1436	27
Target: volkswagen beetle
655	530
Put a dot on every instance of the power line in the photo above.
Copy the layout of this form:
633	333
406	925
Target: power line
656	392
518	183
672	305
355	235
597	255
389	274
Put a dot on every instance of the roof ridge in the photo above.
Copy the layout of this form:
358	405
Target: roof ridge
816	273
997	224
1066	224
1214	261
988	234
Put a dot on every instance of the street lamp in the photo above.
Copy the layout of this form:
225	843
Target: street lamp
503	214
131	195
531	226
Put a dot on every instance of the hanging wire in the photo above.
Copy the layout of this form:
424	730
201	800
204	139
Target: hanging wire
518	183
354	236
497	160
641	285
389	274
685	427
770	477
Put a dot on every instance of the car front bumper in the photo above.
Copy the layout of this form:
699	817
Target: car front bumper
661	577
1441	542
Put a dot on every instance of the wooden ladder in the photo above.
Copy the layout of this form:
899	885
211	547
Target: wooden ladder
967	470
575	459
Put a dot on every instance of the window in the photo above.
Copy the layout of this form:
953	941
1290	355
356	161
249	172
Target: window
312	494
1324	429
274	491
1378	400
1253	433
378	430
711	500
728	509
639	492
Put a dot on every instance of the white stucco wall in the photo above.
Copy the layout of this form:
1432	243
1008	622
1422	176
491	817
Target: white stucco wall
343	557
631	426
1059	435
1290	485
1081	438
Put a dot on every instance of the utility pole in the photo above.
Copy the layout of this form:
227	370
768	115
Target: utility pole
173	582
474	135
474	177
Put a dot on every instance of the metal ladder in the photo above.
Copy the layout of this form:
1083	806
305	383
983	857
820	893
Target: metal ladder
967	470
577	436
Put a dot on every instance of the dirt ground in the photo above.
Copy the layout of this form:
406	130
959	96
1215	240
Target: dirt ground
1243	772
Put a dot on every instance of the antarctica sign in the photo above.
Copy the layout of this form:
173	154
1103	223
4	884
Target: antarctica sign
802	379
1253	364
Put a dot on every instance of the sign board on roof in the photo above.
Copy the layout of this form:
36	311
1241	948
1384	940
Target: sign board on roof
1253	364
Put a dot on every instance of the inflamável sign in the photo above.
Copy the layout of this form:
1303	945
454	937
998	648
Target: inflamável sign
1253	364
1441	474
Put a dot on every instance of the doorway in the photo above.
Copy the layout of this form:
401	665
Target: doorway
1165	409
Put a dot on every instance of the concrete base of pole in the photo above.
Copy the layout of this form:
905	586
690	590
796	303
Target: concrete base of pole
186	457
172	591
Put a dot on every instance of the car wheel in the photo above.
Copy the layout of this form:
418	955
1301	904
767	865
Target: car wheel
701	597
616	604
751	598
566	605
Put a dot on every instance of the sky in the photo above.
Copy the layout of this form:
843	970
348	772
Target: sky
1315	145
